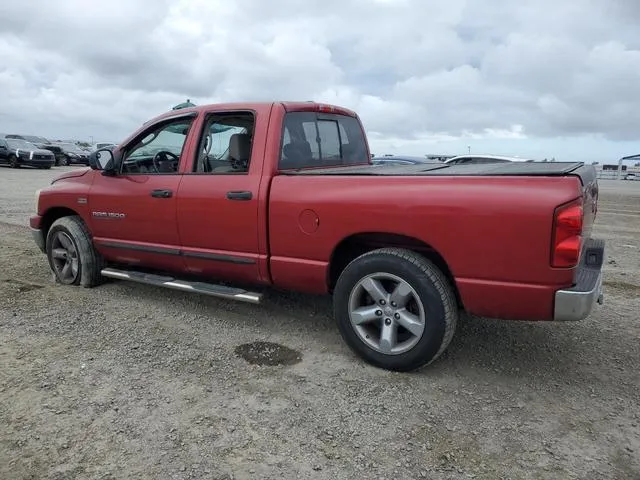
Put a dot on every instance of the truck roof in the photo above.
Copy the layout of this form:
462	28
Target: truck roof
289	106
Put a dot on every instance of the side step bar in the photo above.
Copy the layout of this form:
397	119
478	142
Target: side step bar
211	289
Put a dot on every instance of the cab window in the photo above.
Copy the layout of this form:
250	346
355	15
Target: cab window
226	144
321	140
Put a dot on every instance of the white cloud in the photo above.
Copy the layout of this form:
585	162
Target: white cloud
418	73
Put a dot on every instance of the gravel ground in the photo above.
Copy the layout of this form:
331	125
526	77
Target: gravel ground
130	381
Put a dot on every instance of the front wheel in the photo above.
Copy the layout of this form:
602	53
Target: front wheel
395	309
13	162
71	255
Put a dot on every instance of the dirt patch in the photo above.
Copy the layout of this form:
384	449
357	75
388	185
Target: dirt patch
22	286
268	353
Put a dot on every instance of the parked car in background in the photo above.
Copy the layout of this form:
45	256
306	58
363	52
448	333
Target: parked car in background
101	145
470	159
42	143
17	153
401	160
34	139
73	154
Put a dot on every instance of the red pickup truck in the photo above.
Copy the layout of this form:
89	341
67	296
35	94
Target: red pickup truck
284	194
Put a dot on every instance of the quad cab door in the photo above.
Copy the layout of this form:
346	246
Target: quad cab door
133	211
221	218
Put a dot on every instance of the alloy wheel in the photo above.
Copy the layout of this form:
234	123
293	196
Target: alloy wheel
387	313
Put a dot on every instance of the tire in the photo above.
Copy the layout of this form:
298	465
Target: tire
13	162
431	301
64	161
78	247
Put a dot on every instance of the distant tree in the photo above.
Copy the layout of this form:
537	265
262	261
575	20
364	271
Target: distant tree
595	163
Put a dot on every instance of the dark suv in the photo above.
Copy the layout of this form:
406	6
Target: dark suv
43	143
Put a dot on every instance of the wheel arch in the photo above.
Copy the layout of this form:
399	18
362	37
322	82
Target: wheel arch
357	244
53	214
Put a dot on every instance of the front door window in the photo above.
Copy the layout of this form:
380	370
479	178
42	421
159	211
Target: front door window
159	151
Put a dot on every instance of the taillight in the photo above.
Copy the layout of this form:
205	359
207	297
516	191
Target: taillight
567	235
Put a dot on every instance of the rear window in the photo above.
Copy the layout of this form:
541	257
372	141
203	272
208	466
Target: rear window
321	140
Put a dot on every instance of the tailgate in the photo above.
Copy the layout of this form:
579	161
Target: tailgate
589	180
592	252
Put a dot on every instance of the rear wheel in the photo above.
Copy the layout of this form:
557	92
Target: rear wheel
395	309
71	254
63	162
13	162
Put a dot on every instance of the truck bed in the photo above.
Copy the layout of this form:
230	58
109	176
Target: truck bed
432	169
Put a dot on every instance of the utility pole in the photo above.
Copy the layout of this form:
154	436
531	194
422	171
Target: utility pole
469	149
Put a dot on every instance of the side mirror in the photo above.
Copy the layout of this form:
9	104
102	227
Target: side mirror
102	160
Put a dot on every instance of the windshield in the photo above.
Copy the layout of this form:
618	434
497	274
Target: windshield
17	143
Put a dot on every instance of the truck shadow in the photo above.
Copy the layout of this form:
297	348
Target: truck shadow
545	354
523	352
533	353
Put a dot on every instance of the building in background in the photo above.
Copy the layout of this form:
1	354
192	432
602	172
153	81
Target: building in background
627	168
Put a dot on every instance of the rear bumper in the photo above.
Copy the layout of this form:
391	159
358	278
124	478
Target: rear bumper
576	303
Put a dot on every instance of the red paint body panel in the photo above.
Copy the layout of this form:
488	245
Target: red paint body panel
482	226
149	221
516	301
299	274
67	191
493	232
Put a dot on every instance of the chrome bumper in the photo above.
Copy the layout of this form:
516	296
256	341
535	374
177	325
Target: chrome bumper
573	305
38	237
576	303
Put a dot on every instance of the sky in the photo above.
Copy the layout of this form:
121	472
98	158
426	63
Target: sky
538	79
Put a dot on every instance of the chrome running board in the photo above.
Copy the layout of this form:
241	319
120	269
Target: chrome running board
210	289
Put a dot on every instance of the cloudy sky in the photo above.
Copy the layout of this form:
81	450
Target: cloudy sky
543	78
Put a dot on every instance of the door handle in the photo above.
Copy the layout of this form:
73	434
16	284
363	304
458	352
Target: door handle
239	195
161	193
